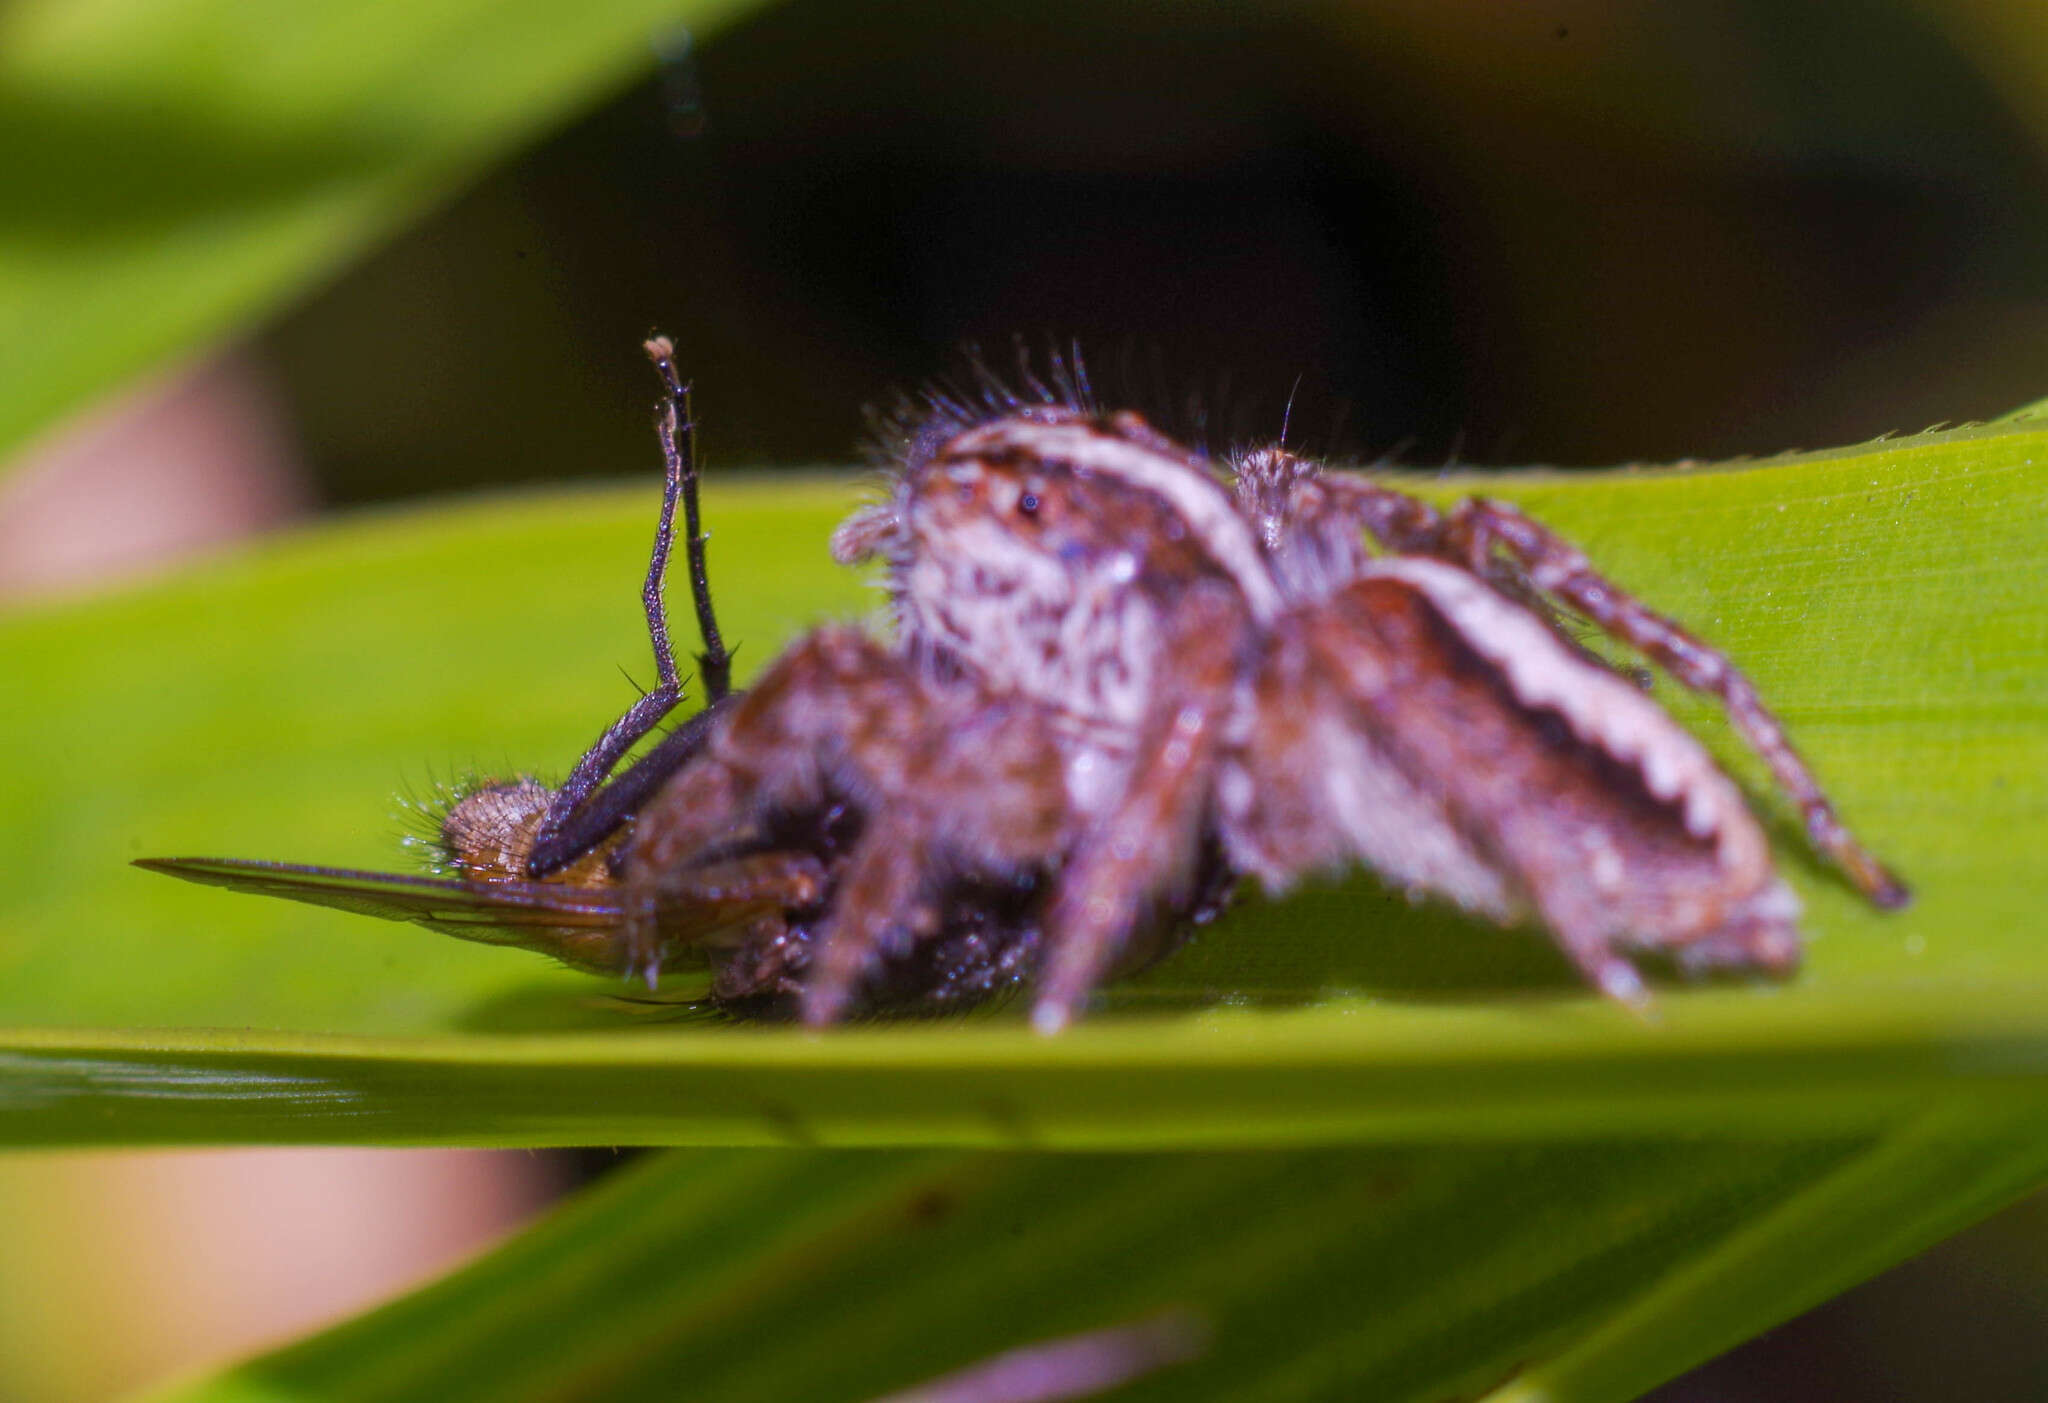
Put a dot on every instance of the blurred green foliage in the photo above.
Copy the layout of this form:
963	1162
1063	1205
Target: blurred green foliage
1453	1170
1879	1101
177	168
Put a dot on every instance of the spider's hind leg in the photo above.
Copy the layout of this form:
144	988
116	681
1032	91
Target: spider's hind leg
1479	525
1482	535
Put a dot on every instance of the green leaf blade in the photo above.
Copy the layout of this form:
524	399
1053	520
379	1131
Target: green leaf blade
176	168
1881	597
1571	1273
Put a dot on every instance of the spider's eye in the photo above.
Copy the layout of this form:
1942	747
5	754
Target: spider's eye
1028	504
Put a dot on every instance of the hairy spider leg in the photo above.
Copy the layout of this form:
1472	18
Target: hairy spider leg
1558	568
1469	537
951	782
1465	788
1144	852
880	909
1407	525
977	791
1398	522
580	815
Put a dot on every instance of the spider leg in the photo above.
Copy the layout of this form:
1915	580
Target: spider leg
880	908
579	816
1144	850
760	753
1416	722
959	785
1321	781
1477	533
1398	522
833	694
1560	570
708	810
1408	525
947	781
981	794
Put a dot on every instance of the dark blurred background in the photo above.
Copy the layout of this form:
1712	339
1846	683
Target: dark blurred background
1569	233
1574	233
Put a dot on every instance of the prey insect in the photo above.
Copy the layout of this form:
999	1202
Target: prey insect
1121	684
536	866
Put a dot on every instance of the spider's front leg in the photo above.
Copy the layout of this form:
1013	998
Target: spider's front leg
1140	857
978	792
946	783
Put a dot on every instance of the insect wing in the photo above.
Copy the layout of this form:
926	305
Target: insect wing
576	925
579	925
438	903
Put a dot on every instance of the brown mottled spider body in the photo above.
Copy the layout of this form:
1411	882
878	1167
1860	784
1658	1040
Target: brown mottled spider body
1111	667
1120	683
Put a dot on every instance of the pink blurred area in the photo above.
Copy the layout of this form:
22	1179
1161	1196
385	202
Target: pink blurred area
192	459
122	1268
1588	231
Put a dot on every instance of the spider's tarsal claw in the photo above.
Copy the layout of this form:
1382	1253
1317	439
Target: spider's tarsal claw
1618	980
1049	1016
825	1003
1885	891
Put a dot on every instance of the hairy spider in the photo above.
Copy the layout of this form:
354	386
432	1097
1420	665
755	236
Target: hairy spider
1120	682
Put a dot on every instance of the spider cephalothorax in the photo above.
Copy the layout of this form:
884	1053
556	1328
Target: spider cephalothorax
1124	679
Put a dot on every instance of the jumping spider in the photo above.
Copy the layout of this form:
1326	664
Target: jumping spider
1120	684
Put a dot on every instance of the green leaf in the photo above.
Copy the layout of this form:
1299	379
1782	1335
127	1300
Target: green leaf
1884	597
175	169
1519	1185
1555	1273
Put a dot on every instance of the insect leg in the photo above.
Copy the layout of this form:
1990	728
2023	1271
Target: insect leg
575	821
576	831
1558	568
717	903
679	452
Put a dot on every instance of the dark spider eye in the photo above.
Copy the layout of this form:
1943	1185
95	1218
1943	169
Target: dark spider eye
1028	504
